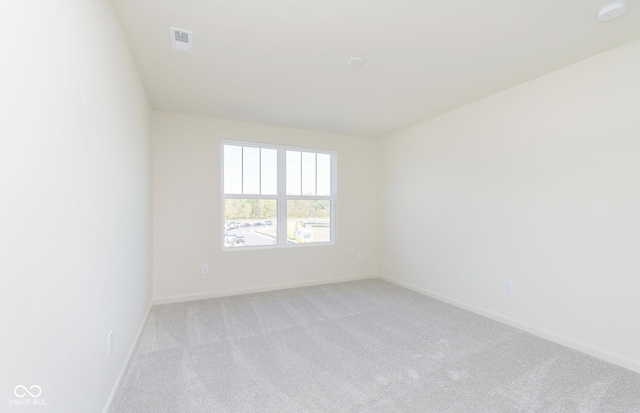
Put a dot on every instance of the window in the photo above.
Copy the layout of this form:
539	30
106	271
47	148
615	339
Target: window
277	196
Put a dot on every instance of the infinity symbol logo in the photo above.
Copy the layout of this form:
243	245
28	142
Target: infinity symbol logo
22	391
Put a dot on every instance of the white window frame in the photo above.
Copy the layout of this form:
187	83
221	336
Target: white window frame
281	197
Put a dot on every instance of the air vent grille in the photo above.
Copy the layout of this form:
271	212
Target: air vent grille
181	40
181	37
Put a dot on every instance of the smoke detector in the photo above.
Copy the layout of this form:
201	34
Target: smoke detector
356	62
612	11
181	40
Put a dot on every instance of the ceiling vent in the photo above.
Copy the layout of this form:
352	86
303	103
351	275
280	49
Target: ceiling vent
181	40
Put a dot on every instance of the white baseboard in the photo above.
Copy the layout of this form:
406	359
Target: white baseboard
564	341
123	369
226	293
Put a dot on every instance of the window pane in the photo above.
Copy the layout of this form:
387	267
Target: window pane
293	173
269	171
324	174
250	222
308	221
250	170
308	173
232	169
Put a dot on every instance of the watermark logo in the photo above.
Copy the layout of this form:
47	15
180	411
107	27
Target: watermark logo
33	391
28	396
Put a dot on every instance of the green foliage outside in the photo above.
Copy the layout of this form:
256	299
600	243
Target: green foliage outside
249	209
266	209
308	209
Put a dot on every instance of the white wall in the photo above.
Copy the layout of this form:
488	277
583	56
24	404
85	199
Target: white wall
187	212
540	185
74	202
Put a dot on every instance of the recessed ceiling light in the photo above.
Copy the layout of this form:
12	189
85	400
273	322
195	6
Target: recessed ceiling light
612	11
356	62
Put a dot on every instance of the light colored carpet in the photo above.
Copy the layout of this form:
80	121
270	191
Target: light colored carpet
364	346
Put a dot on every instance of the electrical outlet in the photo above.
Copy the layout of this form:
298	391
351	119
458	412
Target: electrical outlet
508	287
205	269
359	256
110	348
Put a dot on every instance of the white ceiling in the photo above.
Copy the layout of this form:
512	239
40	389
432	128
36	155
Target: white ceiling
284	62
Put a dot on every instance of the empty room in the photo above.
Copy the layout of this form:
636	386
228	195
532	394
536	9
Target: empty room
320	206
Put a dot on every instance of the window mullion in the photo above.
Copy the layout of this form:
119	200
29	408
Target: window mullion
282	203
242	171
260	170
